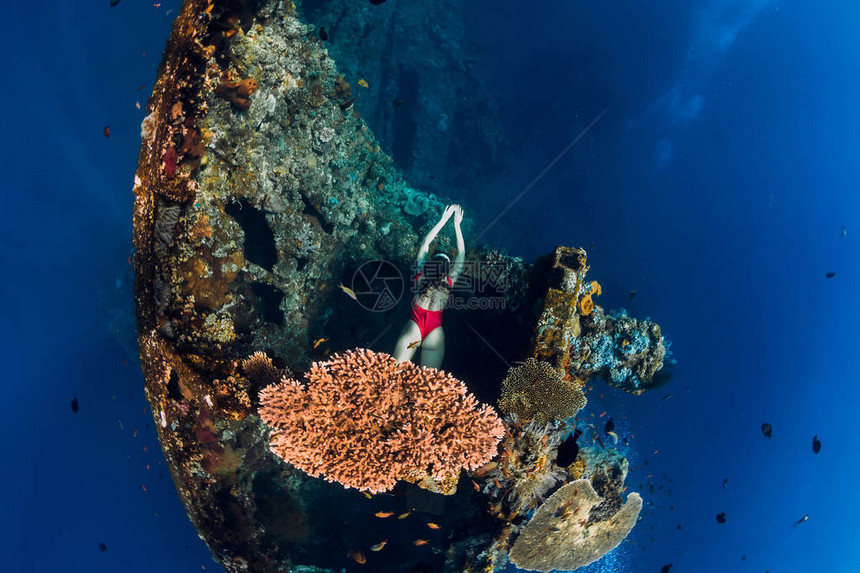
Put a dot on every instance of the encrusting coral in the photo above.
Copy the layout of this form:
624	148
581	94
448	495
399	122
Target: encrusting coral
563	534
365	420
586	305
237	92
627	352
538	391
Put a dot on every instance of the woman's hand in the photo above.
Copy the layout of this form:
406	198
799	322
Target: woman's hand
458	215
446	214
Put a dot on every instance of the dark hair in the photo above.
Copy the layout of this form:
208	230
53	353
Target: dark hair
435	272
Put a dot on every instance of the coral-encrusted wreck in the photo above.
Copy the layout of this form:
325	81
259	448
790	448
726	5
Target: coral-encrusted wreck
259	190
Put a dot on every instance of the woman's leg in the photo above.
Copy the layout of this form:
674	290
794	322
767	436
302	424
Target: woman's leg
433	348
410	334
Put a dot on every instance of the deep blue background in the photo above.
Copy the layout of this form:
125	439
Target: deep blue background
716	186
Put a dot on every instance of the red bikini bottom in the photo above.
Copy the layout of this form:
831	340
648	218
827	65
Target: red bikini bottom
427	320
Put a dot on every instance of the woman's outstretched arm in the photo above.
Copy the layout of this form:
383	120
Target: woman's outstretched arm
457	267
424	249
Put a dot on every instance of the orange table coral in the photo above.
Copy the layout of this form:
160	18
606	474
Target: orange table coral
364	420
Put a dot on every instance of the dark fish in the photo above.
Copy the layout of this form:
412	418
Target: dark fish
830	275
665	568
667	396
75	404
106	131
610	426
816	445
632	296
801	520
348	103
767	430
376	2
114	3
721	517
102	545
323	34
398	101
725	482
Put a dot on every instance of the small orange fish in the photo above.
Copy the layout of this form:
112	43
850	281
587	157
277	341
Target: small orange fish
420	542
379	546
432	525
384	514
404	515
147	466
137	104
106	131
348	291
144	448
134	435
357	556
477	487
143	487
363	83
414	344
319	341
367	495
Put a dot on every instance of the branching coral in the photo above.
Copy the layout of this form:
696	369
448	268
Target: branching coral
538	391
564	534
365	420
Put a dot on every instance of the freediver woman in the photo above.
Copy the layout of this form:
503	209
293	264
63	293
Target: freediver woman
432	287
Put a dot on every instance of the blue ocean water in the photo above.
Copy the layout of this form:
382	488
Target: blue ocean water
716	185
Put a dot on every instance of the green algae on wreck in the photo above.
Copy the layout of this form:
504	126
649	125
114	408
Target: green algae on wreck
258	191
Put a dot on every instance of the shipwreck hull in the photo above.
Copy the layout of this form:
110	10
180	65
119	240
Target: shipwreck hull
260	190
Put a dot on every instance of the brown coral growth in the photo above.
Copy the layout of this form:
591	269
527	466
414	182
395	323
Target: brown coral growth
237	92
259	368
364	420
